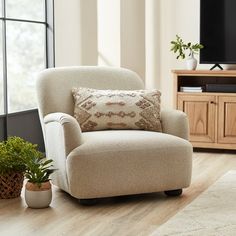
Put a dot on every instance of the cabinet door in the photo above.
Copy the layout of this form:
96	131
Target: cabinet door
201	111
227	119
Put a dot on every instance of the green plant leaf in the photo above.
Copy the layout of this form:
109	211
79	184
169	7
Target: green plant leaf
180	47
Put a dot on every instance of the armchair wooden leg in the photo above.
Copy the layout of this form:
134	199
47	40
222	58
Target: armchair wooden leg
88	202
173	193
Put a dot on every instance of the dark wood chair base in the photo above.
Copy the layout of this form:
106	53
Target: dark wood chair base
173	193
88	202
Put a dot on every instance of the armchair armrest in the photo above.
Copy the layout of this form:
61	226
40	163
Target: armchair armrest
175	122
62	129
62	135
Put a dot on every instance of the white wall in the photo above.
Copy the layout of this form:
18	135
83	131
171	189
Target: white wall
75	32
109	32
121	34
67	33
180	17
135	34
88	32
152	45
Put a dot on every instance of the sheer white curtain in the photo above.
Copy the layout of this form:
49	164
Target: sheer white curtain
121	33
75	32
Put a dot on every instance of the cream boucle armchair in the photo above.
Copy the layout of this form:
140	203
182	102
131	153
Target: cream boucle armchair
113	162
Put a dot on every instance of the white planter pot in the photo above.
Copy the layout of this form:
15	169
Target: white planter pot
191	63
36	198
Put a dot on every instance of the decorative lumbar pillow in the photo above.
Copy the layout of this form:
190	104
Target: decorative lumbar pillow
117	109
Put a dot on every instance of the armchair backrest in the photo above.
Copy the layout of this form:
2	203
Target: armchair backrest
54	85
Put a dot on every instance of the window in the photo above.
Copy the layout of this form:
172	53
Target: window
26	47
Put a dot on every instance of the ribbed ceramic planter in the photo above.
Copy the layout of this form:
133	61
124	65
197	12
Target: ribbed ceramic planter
38	197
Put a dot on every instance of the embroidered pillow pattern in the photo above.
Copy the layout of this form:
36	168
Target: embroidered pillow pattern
117	109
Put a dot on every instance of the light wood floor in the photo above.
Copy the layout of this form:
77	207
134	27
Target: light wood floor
133	215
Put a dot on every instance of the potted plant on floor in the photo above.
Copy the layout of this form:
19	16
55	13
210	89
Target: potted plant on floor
178	46
13	153
38	190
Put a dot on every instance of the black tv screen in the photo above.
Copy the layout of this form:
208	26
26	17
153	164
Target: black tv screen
218	31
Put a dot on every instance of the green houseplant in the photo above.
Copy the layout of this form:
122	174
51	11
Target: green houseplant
13	153
38	191
180	47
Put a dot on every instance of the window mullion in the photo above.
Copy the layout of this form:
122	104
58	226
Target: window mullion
50	41
4	48
46	34
22	20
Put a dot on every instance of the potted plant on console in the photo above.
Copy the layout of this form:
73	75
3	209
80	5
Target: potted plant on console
179	47
38	191
13	153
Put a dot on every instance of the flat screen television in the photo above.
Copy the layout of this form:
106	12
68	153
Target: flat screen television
218	31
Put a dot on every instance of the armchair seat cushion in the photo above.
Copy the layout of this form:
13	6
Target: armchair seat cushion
119	162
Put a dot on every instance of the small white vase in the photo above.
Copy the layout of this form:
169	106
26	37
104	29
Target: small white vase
36	197
191	62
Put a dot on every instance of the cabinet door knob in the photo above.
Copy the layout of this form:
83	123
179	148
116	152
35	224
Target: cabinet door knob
212	102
